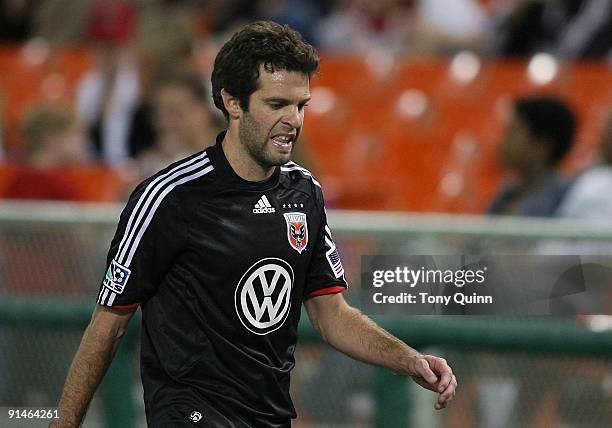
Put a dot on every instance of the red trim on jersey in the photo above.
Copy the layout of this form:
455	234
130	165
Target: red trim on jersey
329	290
133	305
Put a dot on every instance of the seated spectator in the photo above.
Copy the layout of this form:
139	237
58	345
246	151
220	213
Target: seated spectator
109	93
54	142
183	120
537	138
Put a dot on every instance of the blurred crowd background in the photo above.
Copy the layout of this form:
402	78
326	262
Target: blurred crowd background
416	106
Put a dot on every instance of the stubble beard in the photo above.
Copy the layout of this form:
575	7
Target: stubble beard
255	141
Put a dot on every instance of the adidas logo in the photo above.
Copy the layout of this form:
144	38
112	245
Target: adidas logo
263	206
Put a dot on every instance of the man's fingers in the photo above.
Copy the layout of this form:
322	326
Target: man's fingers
441	368
423	370
448	394
446	377
435	374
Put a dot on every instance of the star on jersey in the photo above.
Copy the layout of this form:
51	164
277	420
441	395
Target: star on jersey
294	205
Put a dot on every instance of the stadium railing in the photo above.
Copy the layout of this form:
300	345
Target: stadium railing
24	226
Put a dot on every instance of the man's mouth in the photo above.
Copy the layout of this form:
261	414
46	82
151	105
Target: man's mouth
283	141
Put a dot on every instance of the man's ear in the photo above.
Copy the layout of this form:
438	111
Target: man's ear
232	104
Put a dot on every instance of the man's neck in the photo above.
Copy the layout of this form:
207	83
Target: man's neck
241	161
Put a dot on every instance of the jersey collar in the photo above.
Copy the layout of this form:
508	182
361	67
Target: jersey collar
224	169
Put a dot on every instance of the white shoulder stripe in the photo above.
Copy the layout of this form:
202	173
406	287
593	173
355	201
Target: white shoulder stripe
150	188
294	167
147	198
158	200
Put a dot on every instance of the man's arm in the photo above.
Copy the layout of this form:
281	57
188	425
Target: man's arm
348	330
96	351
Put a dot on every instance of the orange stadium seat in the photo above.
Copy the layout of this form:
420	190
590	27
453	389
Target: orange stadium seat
26	80
84	184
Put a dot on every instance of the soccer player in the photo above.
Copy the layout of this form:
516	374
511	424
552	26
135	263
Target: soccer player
220	250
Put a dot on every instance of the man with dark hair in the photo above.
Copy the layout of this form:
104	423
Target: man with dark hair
220	250
537	138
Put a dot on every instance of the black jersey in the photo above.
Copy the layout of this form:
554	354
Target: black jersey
220	267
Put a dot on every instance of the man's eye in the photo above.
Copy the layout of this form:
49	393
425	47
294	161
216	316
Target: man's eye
302	106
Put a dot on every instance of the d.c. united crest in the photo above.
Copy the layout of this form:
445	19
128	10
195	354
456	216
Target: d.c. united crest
297	230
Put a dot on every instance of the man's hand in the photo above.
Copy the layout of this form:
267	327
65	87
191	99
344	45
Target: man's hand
434	373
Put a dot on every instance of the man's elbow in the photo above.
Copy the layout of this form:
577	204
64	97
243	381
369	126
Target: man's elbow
318	327
324	314
109	324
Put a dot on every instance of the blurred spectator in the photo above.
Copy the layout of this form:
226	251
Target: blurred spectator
108	95
183	120
590	198
566	28
445	26
164	40
61	21
403	26
362	26
537	138
301	15
226	14
54	141
15	20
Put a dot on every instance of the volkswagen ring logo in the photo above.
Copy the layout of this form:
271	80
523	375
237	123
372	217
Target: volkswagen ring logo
263	295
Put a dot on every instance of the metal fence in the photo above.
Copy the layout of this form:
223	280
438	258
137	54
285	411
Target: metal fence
514	372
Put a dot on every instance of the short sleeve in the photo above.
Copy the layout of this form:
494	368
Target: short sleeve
326	273
148	238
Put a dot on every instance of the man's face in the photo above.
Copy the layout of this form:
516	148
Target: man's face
270	128
520	152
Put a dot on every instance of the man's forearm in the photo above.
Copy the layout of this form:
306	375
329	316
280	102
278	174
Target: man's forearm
361	338
90	363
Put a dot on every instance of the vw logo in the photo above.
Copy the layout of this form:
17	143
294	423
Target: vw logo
263	295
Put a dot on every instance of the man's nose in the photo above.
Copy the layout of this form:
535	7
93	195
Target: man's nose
294	117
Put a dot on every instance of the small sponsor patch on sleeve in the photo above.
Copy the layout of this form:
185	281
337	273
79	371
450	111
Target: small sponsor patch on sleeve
116	277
